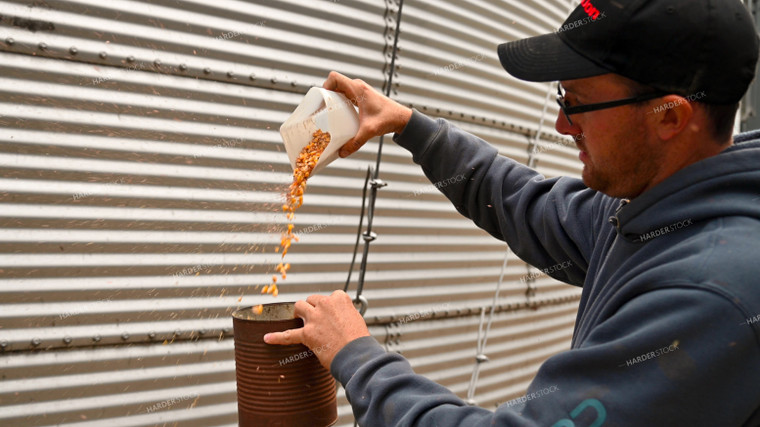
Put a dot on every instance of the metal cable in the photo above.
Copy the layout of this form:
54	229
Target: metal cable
376	183
482	340
359	229
369	235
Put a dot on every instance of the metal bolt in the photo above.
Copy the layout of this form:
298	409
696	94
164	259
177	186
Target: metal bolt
368	237
96	338
36	341
67	340
125	336
202	332
3	344
157	62
481	358
9	41
42	46
73	50
293	83
230	74
103	55
274	80
182	67
152	335
207	70
130	58
252	76
176	332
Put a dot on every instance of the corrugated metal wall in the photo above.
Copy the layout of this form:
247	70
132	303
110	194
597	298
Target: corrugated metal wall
140	178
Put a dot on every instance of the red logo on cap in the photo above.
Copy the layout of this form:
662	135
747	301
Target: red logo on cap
592	11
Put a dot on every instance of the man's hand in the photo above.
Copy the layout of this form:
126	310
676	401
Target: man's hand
329	324
378	114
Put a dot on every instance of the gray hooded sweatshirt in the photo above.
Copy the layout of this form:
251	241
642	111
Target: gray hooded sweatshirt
668	329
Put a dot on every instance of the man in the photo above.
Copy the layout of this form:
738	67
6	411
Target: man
662	233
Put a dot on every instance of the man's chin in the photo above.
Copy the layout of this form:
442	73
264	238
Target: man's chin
594	182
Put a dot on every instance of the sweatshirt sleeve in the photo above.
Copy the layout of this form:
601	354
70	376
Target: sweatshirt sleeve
693	362
546	222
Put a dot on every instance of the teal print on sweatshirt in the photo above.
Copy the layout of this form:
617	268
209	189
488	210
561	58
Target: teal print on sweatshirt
601	414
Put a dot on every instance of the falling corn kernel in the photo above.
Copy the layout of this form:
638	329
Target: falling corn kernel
258	309
305	163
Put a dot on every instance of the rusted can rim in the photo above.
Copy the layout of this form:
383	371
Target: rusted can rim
273	312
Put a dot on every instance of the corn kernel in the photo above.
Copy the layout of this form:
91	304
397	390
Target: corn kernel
305	163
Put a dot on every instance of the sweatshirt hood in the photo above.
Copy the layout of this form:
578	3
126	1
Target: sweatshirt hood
727	184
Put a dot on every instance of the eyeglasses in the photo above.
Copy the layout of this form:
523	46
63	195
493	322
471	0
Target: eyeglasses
585	108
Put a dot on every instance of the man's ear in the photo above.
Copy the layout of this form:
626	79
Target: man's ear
671	115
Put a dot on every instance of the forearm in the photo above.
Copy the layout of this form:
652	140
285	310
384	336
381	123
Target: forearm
545	221
384	391
620	375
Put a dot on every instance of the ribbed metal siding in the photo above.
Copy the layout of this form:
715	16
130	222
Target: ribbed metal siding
139	194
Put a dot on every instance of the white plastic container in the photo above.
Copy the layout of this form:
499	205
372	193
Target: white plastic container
320	109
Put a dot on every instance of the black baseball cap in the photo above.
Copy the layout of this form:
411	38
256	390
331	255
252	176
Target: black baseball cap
684	47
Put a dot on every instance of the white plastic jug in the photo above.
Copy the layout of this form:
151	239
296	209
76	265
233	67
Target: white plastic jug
320	109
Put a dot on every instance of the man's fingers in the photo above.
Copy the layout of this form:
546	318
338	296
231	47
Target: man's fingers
337	82
341	296
349	148
315	299
332	80
354	144
291	336
303	309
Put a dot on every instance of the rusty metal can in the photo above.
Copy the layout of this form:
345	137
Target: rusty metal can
279	385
